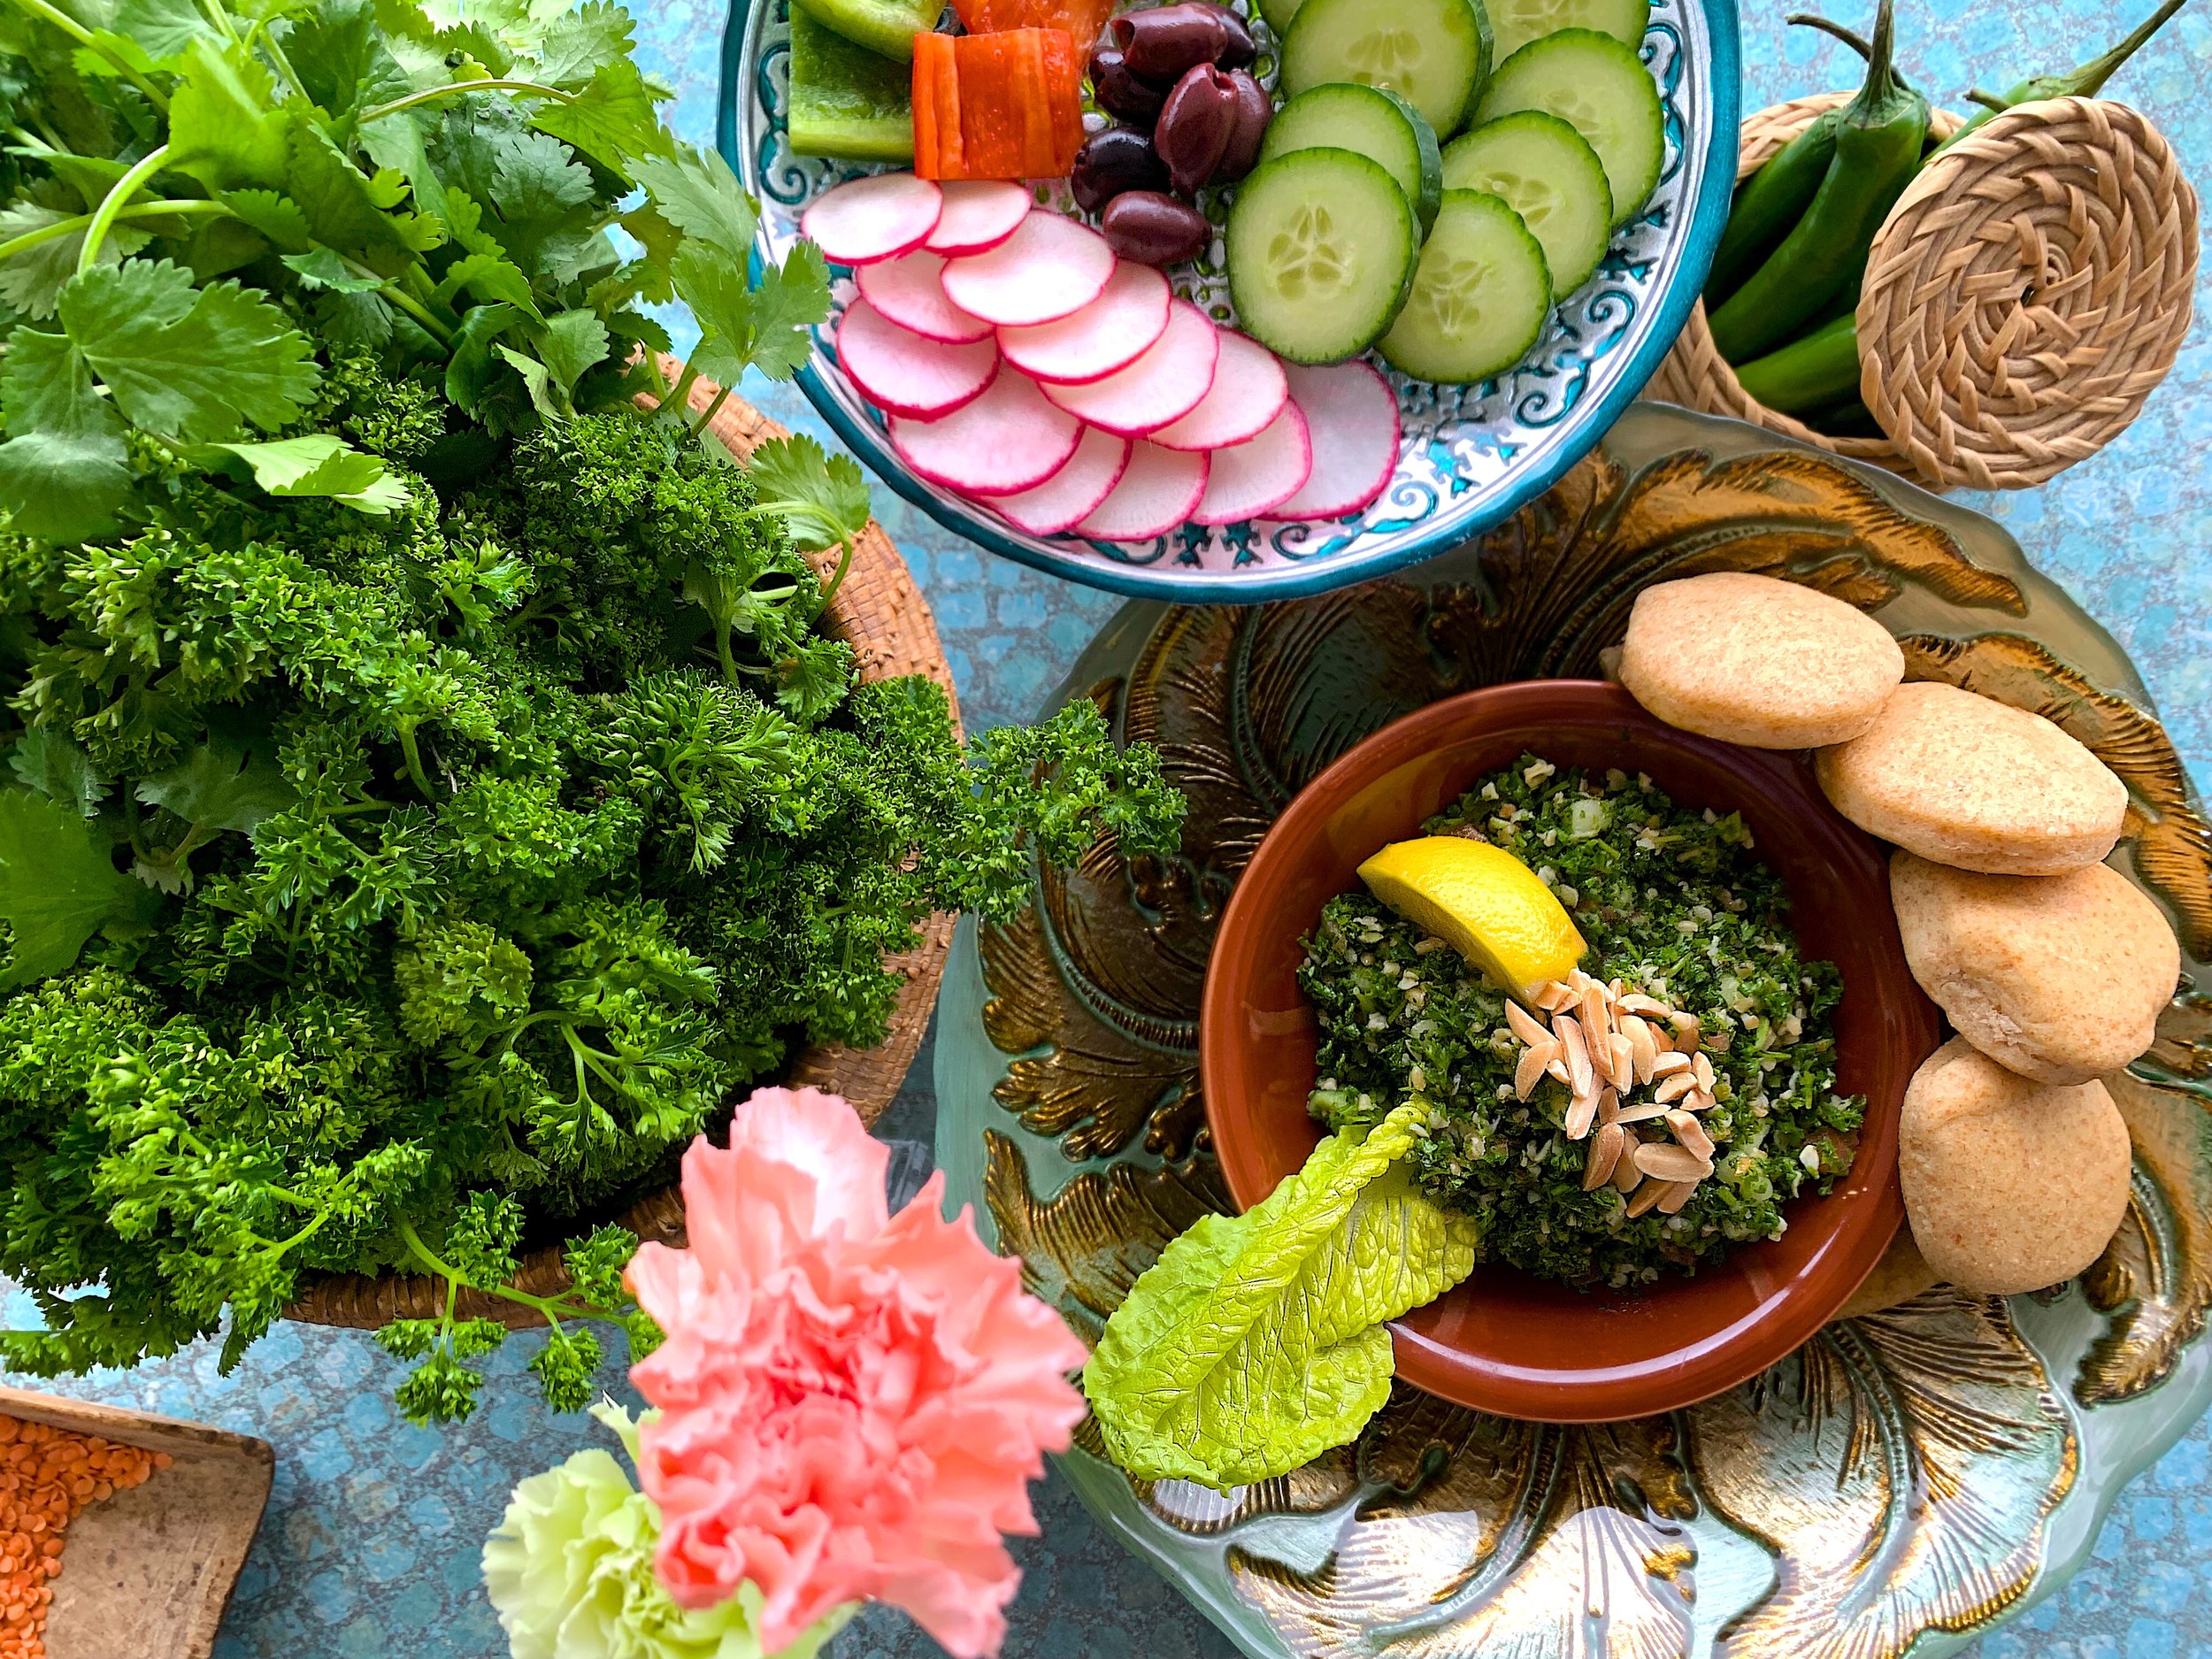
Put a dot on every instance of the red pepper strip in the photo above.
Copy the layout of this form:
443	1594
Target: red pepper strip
937	146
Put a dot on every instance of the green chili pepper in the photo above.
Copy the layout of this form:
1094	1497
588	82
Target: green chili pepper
2083	82
1850	419
1809	373
1772	199
1878	150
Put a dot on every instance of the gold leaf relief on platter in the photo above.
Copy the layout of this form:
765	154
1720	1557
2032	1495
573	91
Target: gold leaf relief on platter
2155	1280
1899	1467
1083	1248
1075	1075
1527	1539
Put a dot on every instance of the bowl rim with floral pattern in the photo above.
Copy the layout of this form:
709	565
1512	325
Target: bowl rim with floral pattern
1504	1342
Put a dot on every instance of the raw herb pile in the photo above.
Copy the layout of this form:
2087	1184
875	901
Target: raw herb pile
1674	902
431	796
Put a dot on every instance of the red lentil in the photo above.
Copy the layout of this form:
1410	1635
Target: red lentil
46	1475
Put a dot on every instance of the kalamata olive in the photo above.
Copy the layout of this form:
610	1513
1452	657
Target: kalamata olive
1194	127
1255	110
1164	43
1238	52
1121	93
1117	159
1155	229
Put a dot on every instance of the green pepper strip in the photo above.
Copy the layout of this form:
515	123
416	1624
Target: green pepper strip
1878	150
1809	373
2083	82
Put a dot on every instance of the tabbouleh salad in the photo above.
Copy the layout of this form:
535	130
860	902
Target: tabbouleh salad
1673	903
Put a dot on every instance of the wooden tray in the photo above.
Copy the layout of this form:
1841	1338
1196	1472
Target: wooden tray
147	1574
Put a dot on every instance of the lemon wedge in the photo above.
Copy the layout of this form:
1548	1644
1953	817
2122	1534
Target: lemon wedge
1484	903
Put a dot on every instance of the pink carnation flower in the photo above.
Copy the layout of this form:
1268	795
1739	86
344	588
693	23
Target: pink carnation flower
853	1403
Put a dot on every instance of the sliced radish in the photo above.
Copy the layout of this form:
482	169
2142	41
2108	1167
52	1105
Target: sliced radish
879	217
979	213
1249	390
897	370
1008	439
1157	491
1161	386
907	290
1110	333
1077	488
1352	422
1248	480
1048	268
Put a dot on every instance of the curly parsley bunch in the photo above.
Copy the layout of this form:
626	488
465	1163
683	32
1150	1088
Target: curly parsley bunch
431	795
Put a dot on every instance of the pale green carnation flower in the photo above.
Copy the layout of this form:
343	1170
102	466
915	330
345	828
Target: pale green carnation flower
569	1569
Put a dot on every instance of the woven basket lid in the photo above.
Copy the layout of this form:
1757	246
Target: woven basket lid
2030	288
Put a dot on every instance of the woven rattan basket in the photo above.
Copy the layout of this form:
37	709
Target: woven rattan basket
2024	297
880	612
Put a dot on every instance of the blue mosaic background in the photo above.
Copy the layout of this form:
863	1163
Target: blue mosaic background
370	1545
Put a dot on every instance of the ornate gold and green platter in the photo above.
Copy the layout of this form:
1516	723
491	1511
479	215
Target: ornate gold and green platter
1900	1485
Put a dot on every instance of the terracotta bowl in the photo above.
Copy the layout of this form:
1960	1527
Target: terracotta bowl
1504	1342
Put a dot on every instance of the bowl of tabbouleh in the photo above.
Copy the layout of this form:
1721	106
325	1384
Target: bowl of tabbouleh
1677	1159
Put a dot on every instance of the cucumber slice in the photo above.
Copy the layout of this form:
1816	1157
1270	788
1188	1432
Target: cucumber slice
1517	22
845	100
1435	52
1278	14
1551	178
882	25
1320	247
1372	121
1599	88
1480	294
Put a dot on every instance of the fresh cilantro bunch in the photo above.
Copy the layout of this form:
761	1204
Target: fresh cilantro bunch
203	199
431	797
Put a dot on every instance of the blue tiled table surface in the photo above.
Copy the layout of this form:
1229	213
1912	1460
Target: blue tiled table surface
369	1544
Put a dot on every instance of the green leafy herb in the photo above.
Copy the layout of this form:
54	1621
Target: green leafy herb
1256	1342
433	796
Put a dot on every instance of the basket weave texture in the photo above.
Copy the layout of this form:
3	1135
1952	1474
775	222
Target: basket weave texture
2029	290
881	613
1695	375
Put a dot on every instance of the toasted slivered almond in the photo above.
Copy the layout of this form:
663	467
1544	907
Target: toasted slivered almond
1556	1066
1609	1107
1697	1100
1667	1065
1691	1134
1551	996
1525	1024
1673	1087
1597	1020
1637	1111
1605	1152
1626	1174
1688	1034
1670	1163
1637	1002
1623	1069
1678	1193
1643	1052
1582	1111
1617	988
1703	1068
1644	1197
1578	981
1580	1077
1530	1072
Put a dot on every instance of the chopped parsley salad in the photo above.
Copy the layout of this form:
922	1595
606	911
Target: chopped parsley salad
1675	904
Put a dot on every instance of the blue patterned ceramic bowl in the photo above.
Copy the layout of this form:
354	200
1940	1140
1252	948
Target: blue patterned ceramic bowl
1469	456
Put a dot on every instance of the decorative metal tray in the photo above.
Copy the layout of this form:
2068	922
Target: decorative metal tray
1903	1482
1469	456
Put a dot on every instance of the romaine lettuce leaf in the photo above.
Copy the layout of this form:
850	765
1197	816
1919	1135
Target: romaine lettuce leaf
1256	1342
